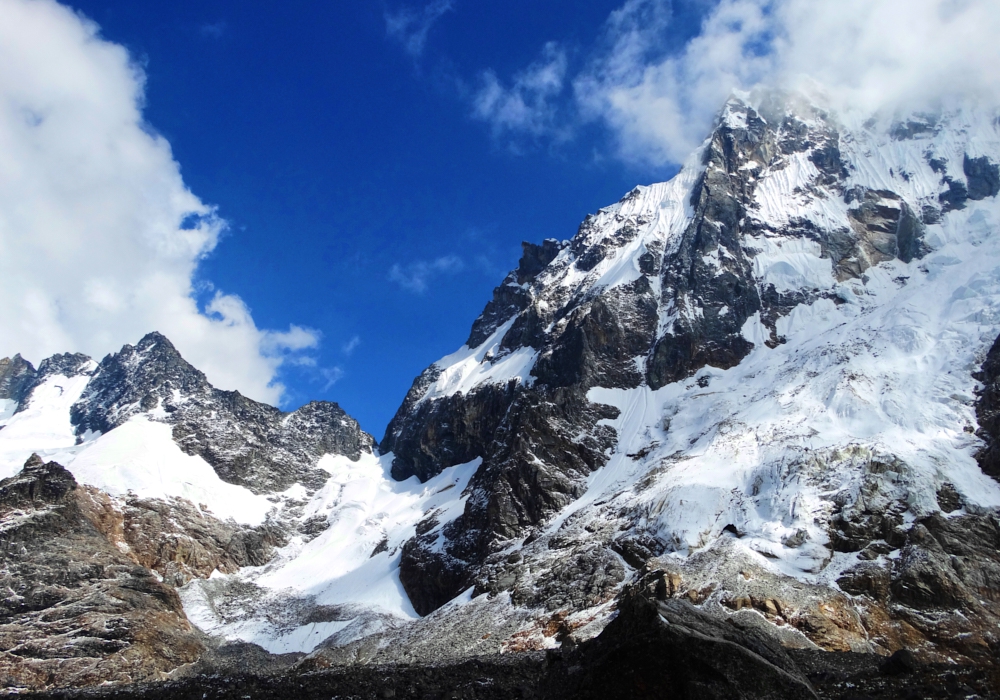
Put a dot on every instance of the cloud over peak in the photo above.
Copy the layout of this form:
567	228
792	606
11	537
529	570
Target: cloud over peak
659	97
100	239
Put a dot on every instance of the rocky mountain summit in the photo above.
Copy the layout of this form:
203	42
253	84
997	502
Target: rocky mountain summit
247	442
754	408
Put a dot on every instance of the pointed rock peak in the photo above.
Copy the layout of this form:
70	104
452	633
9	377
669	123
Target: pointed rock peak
136	379
37	482
157	340
16	361
154	354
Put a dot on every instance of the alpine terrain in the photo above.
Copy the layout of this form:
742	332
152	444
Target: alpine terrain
738	437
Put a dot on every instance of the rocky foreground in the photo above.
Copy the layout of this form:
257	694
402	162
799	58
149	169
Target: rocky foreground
653	649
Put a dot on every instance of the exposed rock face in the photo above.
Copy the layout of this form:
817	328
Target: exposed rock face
247	442
643	295
675	650
941	595
988	412
76	609
16	378
179	542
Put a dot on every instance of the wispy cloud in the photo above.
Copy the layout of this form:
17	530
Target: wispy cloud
212	30
528	104
350	346
416	276
330	375
410	26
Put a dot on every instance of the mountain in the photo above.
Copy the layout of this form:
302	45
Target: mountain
755	408
157	479
758	377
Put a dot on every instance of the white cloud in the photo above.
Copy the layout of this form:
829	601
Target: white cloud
415	276
659	100
661	106
99	237
528	105
410	27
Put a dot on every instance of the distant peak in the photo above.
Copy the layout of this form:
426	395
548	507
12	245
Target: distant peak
155	339
66	364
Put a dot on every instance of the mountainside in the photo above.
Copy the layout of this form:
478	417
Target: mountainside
763	396
178	481
757	376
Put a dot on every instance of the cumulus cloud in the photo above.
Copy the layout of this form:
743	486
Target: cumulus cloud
410	26
415	276
100	239
528	104
659	99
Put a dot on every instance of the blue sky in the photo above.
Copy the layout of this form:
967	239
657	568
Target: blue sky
364	197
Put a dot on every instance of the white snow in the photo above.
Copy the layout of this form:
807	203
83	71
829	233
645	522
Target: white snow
365	507
7	408
141	457
790	263
467	368
43	426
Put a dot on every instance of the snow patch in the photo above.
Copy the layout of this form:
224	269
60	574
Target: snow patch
141	457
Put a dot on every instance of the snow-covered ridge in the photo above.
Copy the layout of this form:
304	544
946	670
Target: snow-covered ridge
352	566
789	197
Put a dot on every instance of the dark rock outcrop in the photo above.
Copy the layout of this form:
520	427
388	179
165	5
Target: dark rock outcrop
983	177
988	412
75	610
180	542
17	376
672	649
941	595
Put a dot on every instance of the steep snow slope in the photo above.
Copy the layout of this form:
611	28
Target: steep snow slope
345	580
